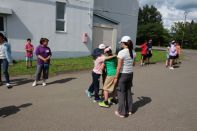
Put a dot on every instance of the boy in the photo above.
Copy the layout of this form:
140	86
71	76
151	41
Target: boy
109	85
29	48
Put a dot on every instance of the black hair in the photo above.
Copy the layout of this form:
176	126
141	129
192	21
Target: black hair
42	40
129	44
109	52
28	39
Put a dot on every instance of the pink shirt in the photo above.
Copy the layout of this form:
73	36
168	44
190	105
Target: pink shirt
99	65
29	47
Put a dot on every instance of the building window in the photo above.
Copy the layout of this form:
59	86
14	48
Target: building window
60	16
1	23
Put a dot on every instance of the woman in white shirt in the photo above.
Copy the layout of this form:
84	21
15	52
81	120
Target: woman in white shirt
126	61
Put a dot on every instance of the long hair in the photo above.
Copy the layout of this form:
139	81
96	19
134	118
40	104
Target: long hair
129	44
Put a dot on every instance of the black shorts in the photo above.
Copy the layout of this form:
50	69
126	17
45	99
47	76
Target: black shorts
143	56
149	54
172	57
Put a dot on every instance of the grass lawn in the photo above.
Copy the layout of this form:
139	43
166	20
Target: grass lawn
71	64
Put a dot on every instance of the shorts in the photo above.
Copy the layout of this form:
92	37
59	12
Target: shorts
143	56
29	58
109	84
172	57
149	54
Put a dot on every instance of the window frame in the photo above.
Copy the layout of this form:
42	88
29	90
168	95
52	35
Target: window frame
4	24
61	20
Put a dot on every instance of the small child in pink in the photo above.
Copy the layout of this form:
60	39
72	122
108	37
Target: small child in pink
29	48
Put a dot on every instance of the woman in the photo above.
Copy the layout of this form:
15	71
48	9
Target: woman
43	53
124	74
5	59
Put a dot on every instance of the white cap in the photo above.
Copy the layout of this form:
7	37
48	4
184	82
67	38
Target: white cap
125	39
102	46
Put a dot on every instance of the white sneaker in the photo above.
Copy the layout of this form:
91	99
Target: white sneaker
34	84
44	84
171	68
8	85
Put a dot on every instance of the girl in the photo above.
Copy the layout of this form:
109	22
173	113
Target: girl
43	53
143	53
5	59
124	74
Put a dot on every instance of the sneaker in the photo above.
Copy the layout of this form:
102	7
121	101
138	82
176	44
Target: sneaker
118	114
112	101
34	84
130	113
9	86
88	93
103	104
44	84
171	68
97	100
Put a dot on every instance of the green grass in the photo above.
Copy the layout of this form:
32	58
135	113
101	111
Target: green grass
158	56
71	64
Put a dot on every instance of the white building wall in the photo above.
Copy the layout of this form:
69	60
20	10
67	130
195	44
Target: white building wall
37	18
123	11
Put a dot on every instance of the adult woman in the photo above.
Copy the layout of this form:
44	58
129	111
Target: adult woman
125	77
43	53
5	59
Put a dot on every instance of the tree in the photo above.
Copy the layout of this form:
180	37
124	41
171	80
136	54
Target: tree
185	33
150	26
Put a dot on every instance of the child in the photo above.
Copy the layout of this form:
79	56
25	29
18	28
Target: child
178	49
109	85
29	48
96	73
172	54
167	56
43	53
143	53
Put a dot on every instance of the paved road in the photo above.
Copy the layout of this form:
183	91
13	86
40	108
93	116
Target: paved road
164	100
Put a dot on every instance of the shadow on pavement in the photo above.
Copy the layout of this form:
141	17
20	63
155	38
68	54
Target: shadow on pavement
21	81
61	81
142	101
11	110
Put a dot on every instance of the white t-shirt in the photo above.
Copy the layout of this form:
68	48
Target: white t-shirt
127	61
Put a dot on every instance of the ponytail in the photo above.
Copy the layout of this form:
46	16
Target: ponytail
129	44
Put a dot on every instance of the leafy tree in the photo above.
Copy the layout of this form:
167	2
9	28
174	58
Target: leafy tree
185	33
150	26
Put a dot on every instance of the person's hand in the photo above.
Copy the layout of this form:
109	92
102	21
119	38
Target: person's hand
115	80
45	60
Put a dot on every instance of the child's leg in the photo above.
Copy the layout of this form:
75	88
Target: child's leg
96	81
106	95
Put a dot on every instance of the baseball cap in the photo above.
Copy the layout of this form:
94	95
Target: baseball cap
102	46
125	39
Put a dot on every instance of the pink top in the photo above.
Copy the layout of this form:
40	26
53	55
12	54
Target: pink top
99	65
29	50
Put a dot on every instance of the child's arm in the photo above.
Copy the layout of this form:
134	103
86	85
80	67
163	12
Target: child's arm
109	57
42	58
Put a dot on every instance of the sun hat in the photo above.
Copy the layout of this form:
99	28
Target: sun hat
102	46
125	39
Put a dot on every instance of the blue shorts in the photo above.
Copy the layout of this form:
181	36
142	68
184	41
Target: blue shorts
29	58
